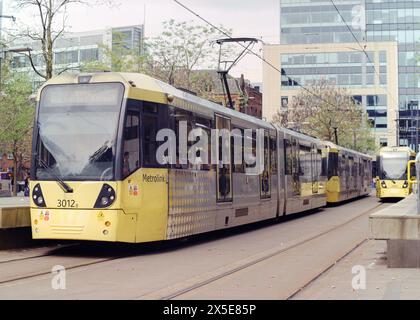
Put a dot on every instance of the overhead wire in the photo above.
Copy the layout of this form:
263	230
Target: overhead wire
282	72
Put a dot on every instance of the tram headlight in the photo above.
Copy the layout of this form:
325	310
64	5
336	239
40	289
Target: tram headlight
383	184
38	197
405	185
106	197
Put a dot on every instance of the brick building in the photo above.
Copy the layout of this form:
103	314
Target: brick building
246	98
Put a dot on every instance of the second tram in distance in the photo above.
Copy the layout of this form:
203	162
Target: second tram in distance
95	176
392	172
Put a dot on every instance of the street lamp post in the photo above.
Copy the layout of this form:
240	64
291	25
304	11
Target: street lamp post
416	105
336	135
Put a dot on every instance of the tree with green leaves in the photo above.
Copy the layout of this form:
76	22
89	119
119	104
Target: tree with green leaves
180	56
328	113
184	51
182	48
16	122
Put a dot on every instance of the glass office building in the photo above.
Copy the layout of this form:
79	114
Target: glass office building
318	22
400	21
75	50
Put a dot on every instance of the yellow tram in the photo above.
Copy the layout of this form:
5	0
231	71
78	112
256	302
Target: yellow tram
95	173
349	174
392	173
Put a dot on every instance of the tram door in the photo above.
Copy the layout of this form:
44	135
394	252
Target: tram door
224	162
265	177
315	161
351	174
296	170
348	175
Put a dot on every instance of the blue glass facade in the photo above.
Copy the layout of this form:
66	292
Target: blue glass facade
400	21
317	21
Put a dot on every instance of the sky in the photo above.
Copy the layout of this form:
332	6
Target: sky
245	17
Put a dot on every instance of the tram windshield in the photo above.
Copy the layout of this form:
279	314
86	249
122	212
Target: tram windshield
394	166
77	130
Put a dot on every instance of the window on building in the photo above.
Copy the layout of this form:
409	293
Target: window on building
67	57
89	55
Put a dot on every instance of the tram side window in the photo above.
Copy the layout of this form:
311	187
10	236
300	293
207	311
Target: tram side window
333	165
352	167
224	171
288	161
273	155
205	125
150	126
305	162
343	168
181	116
319	163
324	164
253	150
131	158
237	141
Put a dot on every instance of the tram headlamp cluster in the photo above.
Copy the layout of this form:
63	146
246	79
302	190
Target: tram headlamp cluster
38	197
106	197
405	185
383	184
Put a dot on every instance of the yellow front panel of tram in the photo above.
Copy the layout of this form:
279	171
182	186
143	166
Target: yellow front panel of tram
333	189
145	193
139	213
392	189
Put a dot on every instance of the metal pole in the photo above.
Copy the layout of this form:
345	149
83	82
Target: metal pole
225	82
354	140
417	132
411	125
417	128
397	128
336	135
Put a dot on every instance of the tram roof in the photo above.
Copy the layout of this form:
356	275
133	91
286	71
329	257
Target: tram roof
334	146
156	88
396	149
159	90
300	135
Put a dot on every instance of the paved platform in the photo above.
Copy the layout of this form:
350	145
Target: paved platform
382	283
400	226
14	212
398	222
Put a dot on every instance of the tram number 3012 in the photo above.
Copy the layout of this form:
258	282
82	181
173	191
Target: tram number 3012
62	203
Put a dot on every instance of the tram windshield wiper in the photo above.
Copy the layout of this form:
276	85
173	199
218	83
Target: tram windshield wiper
100	152
60	181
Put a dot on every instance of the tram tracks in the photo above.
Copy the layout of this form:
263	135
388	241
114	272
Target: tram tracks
44	263
32	253
43	267
196	283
